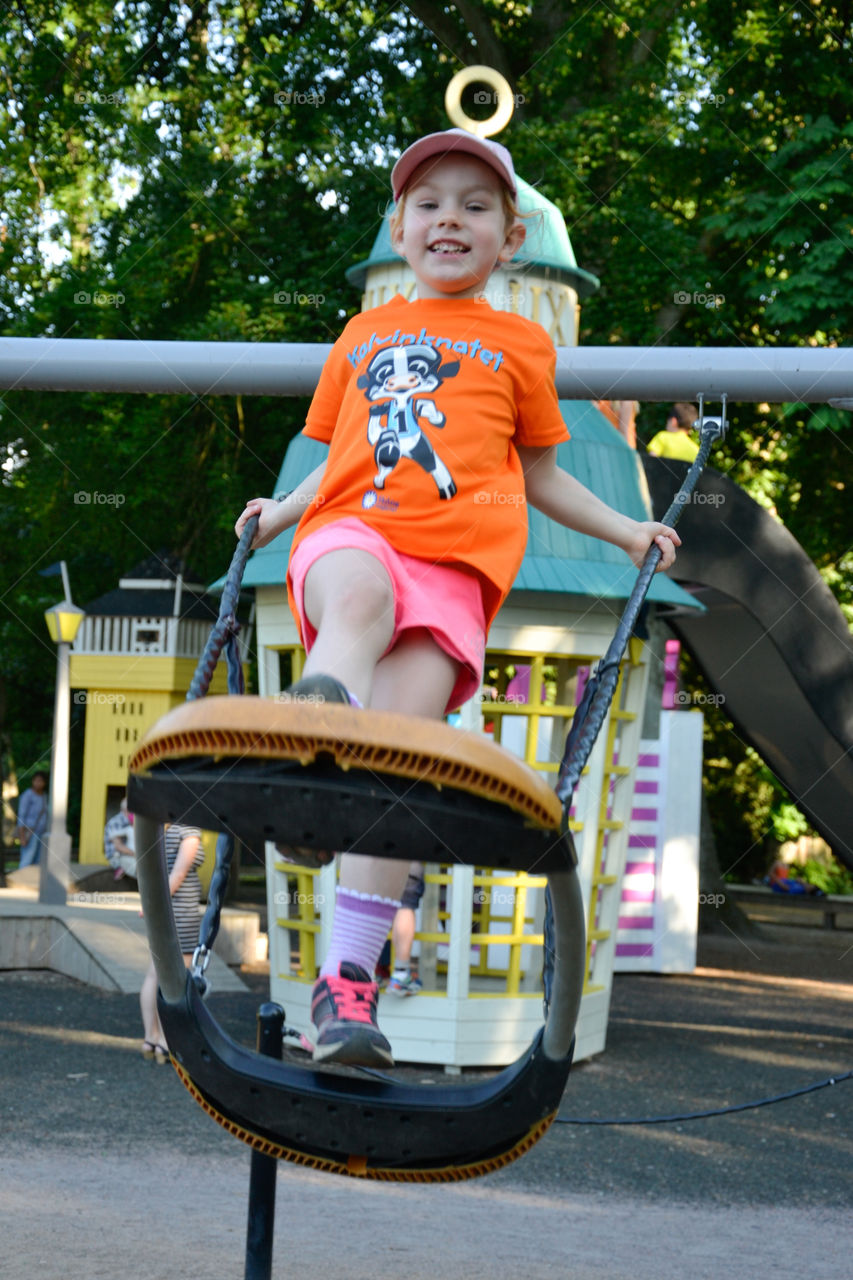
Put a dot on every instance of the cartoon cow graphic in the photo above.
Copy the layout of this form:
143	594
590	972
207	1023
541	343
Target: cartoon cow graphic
395	383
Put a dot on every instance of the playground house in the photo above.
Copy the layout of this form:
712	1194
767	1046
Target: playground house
132	661
480	934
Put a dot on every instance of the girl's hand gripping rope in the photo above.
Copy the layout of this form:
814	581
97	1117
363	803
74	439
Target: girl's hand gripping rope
269	515
653	533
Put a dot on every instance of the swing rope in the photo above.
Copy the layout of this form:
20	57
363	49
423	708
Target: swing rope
591	713
598	694
223	636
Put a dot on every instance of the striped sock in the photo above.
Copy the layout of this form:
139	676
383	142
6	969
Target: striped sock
359	930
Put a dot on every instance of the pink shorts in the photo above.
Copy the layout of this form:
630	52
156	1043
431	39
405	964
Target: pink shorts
446	600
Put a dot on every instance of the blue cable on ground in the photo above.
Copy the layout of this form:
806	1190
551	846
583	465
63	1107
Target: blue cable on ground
715	1111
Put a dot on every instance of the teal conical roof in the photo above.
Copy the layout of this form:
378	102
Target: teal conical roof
547	247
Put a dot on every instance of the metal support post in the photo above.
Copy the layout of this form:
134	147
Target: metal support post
261	1220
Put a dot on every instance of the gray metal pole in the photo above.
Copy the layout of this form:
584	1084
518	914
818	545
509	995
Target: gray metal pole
260	1225
56	862
813	375
182	368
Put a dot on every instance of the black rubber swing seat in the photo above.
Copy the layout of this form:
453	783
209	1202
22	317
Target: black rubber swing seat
345	1123
328	776
331	777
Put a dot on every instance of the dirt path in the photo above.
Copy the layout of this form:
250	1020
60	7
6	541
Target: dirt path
160	1217
107	1169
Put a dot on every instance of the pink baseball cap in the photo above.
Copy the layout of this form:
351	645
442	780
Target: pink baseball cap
439	144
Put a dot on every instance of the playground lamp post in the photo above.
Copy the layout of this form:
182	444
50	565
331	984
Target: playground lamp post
62	623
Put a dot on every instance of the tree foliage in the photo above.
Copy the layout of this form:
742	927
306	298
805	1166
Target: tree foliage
192	170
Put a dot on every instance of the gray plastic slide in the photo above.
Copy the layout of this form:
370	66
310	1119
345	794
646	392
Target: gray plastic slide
772	642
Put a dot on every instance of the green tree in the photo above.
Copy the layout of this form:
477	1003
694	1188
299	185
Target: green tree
178	170
183	172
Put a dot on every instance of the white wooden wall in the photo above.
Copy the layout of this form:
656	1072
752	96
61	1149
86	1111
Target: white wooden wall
660	888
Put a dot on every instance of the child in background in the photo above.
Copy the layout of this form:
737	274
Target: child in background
442	422
675	441
32	819
119	843
404	981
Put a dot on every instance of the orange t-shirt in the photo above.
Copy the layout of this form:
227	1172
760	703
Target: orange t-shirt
421	404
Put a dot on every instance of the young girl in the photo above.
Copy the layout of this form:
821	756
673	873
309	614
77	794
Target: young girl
442	421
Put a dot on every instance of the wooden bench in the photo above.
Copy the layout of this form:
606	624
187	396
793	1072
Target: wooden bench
759	895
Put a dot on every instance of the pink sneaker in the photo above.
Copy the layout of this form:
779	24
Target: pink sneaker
343	1009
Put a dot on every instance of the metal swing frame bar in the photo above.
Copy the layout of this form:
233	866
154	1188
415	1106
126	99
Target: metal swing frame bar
816	375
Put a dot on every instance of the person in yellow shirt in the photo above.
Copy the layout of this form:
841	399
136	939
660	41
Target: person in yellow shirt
675	441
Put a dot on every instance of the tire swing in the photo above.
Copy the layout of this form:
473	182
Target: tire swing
328	776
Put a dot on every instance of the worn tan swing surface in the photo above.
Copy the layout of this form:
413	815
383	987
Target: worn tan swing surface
380	783
328	776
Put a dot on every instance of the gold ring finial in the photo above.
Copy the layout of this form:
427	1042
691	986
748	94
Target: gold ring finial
501	94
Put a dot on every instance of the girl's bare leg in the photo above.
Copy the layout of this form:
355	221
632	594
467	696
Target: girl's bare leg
349	599
416	678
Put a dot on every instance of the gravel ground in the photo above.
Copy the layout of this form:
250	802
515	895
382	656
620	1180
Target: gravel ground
107	1166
